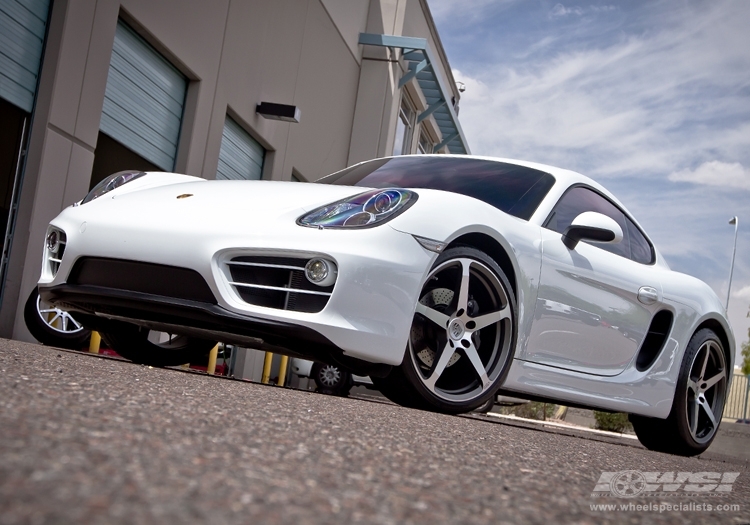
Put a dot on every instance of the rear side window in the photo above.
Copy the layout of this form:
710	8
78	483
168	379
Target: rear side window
579	199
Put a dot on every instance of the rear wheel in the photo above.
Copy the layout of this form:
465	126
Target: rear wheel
149	347
52	326
462	336
698	401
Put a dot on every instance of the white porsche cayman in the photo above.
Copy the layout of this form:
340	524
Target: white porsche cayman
444	278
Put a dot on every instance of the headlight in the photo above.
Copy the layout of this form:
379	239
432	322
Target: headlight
112	182
361	211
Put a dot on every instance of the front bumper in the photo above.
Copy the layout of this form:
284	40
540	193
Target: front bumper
368	316
100	306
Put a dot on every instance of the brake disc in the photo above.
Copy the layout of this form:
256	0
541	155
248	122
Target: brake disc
438	299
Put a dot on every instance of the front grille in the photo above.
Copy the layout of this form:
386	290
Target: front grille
277	282
135	276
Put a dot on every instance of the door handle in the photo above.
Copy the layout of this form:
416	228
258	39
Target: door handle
648	295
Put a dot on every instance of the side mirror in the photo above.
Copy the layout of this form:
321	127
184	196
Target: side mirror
591	226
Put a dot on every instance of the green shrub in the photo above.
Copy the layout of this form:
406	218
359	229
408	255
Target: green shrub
617	422
531	410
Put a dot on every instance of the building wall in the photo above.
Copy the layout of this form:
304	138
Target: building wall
235	55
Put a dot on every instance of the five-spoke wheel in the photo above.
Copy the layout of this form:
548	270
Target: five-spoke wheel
461	338
706	390
698	401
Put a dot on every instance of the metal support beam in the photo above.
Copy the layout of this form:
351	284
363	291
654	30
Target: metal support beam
429	111
422	69
446	140
413	73
403	42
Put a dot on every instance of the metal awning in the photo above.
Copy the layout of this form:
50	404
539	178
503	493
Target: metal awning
418	56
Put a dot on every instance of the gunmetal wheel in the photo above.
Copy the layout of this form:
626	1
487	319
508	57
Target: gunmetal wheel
698	402
706	391
52	326
462	336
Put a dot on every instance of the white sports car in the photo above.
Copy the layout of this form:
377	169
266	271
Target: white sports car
446	279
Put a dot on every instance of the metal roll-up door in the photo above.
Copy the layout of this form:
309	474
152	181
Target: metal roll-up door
144	99
241	156
22	28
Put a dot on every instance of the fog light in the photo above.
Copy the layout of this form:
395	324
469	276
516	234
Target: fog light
320	272
53	241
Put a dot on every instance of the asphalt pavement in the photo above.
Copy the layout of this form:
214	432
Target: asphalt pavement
86	439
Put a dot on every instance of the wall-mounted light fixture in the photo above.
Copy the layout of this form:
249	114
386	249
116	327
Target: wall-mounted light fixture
283	112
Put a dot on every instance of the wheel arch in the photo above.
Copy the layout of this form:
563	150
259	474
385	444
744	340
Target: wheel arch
494	249
718	328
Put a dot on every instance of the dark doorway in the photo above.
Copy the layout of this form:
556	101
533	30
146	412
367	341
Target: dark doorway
111	156
14	120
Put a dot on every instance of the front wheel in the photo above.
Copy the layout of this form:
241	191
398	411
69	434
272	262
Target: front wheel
148	347
462	336
52	326
698	401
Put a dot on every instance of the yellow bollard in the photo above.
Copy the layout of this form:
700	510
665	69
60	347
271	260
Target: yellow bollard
212	359
95	342
561	412
282	370
267	368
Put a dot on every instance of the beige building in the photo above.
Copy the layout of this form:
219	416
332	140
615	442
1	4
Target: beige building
91	87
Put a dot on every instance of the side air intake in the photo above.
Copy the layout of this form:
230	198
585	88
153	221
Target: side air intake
654	341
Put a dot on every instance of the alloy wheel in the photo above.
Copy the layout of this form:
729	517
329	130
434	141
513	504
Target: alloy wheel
56	319
329	375
462	330
706	389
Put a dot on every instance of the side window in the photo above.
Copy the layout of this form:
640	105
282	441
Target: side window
640	248
578	200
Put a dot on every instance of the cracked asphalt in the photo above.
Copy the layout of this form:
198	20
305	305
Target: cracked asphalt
84	439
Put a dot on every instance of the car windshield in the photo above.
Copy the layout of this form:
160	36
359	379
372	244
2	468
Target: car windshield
514	189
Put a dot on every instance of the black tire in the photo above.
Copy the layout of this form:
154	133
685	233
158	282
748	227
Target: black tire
62	330
132	342
332	379
486	407
449	340
698	403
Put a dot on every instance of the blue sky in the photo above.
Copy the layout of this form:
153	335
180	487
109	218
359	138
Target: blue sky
650	98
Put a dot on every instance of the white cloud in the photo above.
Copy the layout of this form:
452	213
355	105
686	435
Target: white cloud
715	173
742	293
561	10
652	101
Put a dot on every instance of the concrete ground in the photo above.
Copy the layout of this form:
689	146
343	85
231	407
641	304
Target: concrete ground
85	439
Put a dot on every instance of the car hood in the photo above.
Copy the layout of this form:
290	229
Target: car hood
275	197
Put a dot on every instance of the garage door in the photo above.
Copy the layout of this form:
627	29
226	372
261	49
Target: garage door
22	28
241	156
144	99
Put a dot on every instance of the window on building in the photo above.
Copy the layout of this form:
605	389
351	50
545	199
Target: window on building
425	144
404	128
